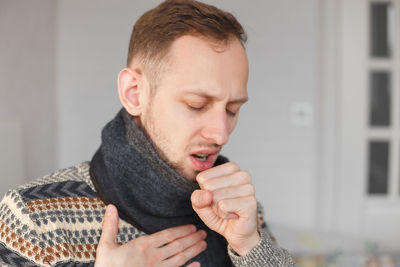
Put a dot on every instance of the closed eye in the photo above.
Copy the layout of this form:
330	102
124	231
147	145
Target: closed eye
231	113
196	108
233	109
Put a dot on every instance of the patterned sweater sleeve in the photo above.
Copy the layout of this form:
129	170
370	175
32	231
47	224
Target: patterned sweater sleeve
20	244
51	221
22	241
266	253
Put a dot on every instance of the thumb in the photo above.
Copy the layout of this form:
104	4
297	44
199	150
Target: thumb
201	199
110	227
201	203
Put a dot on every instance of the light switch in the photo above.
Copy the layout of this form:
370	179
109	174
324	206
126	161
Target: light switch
302	113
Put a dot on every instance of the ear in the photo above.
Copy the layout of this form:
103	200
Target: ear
129	90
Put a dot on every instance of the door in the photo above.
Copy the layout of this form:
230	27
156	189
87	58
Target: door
367	199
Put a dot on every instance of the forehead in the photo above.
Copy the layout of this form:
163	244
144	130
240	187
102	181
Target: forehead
197	64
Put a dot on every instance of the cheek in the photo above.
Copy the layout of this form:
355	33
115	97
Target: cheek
232	125
189	125
177	123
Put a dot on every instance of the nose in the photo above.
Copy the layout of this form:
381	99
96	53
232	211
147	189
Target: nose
216	129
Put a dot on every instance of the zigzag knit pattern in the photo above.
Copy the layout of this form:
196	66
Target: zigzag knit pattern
55	220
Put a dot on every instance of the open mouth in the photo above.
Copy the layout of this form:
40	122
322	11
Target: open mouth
201	157
203	161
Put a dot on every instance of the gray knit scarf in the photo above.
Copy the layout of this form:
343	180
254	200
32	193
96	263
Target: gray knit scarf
128	172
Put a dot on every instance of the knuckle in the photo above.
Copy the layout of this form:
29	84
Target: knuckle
222	205
251	189
200	178
233	166
247	176
207	185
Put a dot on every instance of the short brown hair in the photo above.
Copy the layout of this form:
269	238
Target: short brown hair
156	29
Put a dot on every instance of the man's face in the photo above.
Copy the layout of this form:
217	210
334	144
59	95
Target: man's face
196	105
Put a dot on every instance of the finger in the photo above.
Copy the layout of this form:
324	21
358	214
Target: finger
168	235
220	170
243	206
183	257
237	191
194	264
201	198
181	244
237	178
201	203
222	214
110	227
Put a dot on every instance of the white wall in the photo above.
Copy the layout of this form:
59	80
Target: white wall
27	93
91	40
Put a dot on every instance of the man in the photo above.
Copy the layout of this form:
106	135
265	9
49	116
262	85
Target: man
171	199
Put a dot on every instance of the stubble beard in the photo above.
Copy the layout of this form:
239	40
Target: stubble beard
159	142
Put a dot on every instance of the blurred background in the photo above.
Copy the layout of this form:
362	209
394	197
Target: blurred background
320	134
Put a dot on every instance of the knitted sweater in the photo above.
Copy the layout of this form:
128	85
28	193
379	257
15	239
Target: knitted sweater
57	221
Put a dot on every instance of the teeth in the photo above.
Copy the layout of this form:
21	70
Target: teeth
201	157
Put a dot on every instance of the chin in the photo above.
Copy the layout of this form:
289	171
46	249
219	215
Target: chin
190	175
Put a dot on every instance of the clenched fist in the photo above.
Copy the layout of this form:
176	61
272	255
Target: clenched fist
170	248
226	204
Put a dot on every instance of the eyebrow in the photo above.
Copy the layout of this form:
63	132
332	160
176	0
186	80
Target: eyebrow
201	93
